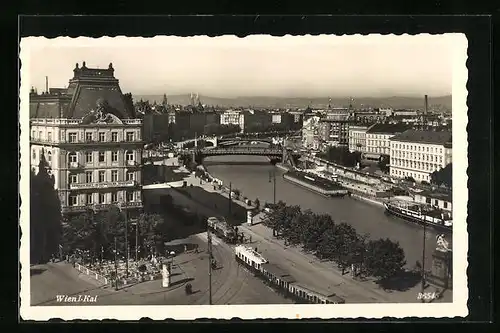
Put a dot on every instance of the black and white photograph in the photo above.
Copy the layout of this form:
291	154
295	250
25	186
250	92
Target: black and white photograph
258	177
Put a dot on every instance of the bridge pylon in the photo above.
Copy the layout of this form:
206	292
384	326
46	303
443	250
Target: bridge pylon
288	157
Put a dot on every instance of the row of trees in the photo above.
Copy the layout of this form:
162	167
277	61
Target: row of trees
96	231
443	176
260	127
220	129
318	234
342	156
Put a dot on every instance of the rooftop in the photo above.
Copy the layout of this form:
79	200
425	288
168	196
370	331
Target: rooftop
432	137
88	90
388	128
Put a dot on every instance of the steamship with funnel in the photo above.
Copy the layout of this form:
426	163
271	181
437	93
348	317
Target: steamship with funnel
422	214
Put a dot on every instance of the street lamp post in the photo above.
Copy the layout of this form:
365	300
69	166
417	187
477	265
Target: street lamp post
116	267
230	199
272	178
423	265
126	239
209	239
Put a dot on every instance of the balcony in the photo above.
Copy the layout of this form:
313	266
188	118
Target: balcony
102	185
132	163
74	165
100	207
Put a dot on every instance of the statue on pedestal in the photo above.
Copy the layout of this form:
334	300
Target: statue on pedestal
441	273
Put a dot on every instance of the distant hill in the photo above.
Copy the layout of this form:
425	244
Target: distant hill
396	102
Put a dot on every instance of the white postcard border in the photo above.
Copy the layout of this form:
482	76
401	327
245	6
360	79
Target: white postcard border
180	312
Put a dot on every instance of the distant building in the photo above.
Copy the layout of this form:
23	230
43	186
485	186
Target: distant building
437	199
357	138
417	154
91	140
377	139
333	128
310	137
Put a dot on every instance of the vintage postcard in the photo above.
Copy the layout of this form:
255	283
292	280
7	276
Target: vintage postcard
255	178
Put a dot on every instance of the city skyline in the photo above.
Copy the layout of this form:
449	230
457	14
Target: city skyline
229	67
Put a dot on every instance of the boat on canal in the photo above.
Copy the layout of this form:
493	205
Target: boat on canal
315	183
420	213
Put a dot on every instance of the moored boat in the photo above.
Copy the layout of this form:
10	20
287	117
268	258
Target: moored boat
316	184
420	213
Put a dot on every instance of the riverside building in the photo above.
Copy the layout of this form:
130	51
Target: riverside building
91	140
418	154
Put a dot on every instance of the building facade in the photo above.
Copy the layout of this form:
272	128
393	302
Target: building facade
378	139
357	138
333	128
418	154
91	141
310	137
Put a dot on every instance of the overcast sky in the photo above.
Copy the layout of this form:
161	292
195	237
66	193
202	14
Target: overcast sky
292	66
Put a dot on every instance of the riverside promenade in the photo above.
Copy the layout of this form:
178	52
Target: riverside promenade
310	270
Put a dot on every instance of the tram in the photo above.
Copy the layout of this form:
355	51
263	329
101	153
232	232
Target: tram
280	280
222	229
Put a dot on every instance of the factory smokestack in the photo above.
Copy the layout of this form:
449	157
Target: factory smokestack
47	84
426	105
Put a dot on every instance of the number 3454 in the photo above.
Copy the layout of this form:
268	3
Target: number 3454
427	296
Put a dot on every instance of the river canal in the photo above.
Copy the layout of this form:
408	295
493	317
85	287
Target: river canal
254	182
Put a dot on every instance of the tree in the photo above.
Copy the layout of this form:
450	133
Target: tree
383	164
314	228
384	258
45	214
151	232
347	240
257	203
443	176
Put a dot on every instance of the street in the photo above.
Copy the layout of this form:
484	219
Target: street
231	284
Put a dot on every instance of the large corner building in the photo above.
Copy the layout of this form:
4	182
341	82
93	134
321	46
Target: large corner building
91	139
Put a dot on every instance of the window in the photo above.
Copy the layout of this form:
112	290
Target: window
130	175
102	176
71	137
130	196
33	134
436	202
49	157
73	179
114	197
114	156
40	135
102	198
114	175
72	157
88	176
114	136
130	136
102	156
89	199
34	155
89	137
88	157
130	156
49	136
102	136
445	204
73	200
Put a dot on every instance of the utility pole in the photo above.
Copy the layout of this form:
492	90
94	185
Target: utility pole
272	177
423	263
126	242
116	267
137	241
209	238
229	197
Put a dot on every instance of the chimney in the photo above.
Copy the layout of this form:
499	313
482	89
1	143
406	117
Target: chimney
47	84
426	105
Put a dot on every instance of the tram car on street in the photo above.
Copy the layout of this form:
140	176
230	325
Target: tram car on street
280	280
222	229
